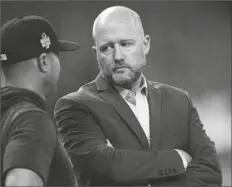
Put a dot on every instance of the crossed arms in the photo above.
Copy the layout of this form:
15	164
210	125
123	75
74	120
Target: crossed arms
87	146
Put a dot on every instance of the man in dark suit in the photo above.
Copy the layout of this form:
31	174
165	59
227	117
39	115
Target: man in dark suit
122	129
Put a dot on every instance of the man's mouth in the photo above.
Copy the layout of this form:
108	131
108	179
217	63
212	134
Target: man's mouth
120	68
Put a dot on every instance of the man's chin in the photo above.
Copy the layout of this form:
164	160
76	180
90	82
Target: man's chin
122	81
126	79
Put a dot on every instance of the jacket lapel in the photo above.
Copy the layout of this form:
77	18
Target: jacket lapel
154	100
111	96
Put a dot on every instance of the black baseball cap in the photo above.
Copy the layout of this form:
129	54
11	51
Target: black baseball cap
28	37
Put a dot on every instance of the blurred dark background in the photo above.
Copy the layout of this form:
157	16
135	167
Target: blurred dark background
190	49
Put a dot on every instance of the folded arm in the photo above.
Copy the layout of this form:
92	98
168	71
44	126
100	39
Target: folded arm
87	146
204	166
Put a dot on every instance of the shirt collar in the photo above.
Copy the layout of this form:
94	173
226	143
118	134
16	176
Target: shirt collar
143	88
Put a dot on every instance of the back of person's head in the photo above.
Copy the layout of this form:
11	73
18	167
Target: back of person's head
29	53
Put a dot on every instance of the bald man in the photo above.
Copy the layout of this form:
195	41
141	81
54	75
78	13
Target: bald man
122	129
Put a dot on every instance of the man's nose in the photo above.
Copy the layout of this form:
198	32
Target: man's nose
118	55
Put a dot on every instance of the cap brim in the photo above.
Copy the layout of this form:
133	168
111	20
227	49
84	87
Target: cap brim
68	46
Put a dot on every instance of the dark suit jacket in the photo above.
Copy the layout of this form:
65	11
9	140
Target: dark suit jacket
97	112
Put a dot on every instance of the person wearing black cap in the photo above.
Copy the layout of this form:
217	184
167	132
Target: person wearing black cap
31	153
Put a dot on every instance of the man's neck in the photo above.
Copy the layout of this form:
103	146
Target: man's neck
26	86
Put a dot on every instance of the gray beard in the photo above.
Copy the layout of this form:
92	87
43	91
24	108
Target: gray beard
125	81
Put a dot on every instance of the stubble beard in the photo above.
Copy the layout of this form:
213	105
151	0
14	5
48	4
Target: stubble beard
124	80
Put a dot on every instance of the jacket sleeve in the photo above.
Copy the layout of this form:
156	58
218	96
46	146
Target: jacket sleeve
205	167
86	144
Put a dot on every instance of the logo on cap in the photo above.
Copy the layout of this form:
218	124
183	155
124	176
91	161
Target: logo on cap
45	41
3	57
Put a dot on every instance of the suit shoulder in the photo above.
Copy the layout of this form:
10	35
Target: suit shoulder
85	91
168	88
79	99
176	96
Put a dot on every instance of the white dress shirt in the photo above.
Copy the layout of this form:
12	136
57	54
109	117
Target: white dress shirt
140	108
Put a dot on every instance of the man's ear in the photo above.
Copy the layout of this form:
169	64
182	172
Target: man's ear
43	63
146	44
94	50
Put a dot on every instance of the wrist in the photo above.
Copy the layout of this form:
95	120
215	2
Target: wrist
185	163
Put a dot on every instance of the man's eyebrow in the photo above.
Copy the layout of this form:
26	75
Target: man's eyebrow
111	43
105	44
127	40
108	44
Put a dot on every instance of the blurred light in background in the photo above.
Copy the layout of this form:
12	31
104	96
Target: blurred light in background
214	109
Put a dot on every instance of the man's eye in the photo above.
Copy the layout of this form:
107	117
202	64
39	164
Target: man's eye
125	44
106	48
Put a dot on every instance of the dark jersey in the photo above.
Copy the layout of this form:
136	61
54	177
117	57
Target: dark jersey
29	140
